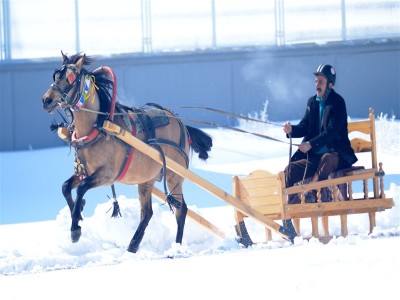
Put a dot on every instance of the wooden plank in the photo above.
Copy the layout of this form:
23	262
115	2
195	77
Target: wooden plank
362	171
361	145
199	181
259	182
272	209
363	126
63	133
264	200
259	192
367	174
194	216
336	208
260	178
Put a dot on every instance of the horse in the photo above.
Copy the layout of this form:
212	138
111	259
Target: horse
102	159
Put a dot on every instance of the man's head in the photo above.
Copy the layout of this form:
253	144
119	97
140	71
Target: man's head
325	78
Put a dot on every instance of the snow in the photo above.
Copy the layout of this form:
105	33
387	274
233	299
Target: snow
38	260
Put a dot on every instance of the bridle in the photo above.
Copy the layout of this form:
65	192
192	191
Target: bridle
74	80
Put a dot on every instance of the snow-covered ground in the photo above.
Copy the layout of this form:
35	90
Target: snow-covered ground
38	260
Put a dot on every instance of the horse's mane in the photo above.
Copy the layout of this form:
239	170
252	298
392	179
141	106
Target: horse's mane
104	89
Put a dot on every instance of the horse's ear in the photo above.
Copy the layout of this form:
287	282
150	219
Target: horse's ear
79	64
64	58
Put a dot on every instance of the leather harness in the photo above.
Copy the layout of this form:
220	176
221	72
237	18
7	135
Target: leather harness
146	123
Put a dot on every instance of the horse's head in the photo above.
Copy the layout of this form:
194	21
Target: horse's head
65	91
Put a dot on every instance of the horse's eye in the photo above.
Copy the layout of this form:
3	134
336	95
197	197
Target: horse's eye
56	76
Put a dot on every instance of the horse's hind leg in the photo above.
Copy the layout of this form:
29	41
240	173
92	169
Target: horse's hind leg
175	186
146	212
180	215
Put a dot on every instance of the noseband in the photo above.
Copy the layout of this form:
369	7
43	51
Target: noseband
73	79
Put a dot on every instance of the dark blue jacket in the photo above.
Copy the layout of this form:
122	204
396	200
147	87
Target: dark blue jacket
333	132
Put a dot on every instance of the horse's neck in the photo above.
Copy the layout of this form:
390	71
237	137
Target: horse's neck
85	120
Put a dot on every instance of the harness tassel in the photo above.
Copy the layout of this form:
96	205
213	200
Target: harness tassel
116	210
172	202
116	213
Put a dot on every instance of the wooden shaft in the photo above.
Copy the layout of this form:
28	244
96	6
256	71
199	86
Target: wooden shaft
185	173
192	215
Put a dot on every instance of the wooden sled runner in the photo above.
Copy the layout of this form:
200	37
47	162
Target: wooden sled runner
266	192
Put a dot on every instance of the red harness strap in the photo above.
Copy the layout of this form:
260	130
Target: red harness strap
128	160
85	140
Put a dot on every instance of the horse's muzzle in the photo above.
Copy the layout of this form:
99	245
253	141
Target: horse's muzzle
49	105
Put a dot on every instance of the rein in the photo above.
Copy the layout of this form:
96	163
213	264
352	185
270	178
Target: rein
213	124
228	114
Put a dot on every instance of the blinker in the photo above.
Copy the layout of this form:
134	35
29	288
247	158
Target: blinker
71	78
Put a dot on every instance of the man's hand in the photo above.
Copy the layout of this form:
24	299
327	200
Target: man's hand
287	128
305	147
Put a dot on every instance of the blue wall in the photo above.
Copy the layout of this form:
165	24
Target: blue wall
239	81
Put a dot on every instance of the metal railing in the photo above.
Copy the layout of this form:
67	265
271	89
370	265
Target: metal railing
148	26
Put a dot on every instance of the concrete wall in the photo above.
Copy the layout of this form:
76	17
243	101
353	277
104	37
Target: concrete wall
238	81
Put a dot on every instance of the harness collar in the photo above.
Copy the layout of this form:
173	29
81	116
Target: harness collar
85	141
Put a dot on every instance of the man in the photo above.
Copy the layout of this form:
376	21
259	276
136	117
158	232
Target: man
326	146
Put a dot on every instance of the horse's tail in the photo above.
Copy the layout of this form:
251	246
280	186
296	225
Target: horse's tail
201	142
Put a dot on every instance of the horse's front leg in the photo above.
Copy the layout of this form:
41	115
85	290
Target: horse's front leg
86	184
67	188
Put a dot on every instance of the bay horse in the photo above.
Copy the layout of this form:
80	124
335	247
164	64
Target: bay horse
102	159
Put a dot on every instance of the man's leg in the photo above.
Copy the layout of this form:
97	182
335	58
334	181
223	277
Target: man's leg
328	163
297	171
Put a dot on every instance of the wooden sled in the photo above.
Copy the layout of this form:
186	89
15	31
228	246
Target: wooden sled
266	192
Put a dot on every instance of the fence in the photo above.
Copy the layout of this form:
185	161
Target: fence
41	28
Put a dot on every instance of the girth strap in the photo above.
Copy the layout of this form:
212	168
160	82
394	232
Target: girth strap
128	157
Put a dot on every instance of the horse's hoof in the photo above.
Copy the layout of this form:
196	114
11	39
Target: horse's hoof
76	235
132	249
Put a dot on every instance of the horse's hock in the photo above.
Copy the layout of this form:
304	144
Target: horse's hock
266	192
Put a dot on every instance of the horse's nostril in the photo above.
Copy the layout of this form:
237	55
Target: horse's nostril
47	101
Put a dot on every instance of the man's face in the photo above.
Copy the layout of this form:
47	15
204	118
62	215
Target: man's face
320	85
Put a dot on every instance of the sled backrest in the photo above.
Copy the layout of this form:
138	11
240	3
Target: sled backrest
367	144
262	191
361	145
